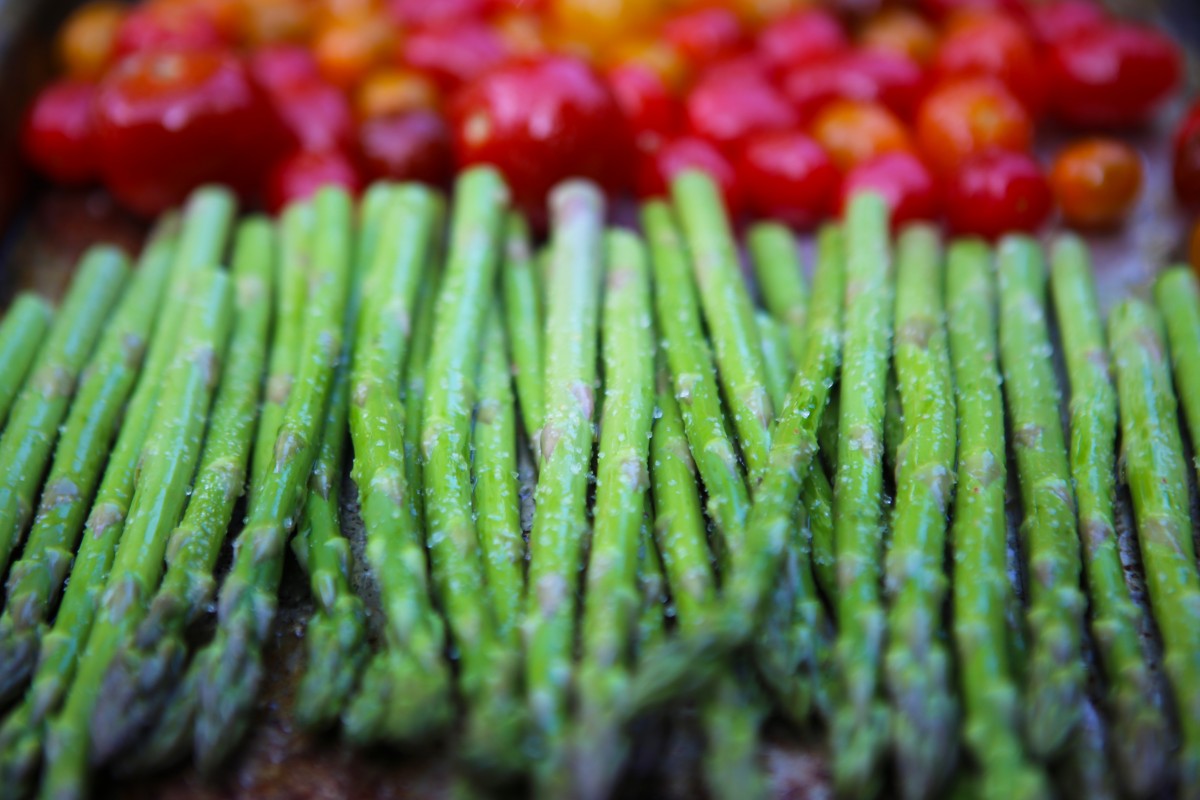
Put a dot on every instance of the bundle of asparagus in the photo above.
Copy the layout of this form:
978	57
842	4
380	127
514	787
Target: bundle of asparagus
468	386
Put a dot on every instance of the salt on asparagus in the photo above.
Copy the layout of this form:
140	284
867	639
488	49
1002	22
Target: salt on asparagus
21	334
524	318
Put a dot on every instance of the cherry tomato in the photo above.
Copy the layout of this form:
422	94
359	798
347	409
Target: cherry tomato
706	34
896	82
1115	75
59	132
1064	19
943	9
407	147
282	66
999	48
429	13
168	122
726	111
1186	162
87	40
598	24
853	132
276	21
801	38
315	115
1096	182
746	66
524	6
521	32
349	49
226	15
788	176
650	109
174	28
658	170
299	176
966	117
653	54
540	121
334	11
901	32
454	56
904	182
389	92
998	192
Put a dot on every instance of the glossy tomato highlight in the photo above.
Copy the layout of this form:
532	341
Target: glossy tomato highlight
726	111
966	117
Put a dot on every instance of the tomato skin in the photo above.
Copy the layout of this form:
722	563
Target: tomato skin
705	35
726	111
656	171
87	40
350	48
801	38
299	176
853	132
161	28
966	117
940	10
388	92
168	122
597	25
1059	21
454	56
787	176
59	132
276	22
1185	168
282	66
892	80
998	192
430	13
540	121
650	110
1096	182
900	32
315	115
904	182
1114	76
409	147
999	48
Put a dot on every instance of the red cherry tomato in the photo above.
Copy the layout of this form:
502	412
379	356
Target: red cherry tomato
705	35
892	80
788	176
316	115
411	147
168	122
159	27
966	117
998	192
650	110
904	182
745	66
658	170
59	134
726	111
1096	182
1058	21
801	38
1115	75
300	175
995	47
454	56
282	66
943	9
540	121
427	13
1186	163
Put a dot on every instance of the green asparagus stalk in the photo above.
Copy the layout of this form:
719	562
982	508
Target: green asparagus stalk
37	577
1178	297
560	522
414	385
924	734
163	484
524	321
230	667
654	594
860	723
404	695
732	720
777	359
729	312
148	662
1055	674
21	335
1141	747
781	282
980	585
496	503
612	601
1152	453
28	441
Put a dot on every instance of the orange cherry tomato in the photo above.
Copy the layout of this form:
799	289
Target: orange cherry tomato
853	132
392	91
276	21
900	31
1096	182
226	15
966	117
522	32
87	40
348	49
332	10
599	24
661	58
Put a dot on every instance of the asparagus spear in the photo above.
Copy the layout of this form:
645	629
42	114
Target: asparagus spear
37	577
523	317
1055	675
560	522
653	591
28	440
230	667
611	603
729	313
1141	747
1152	453
404	694
414	385
777	360
980	585
859	727
148	662
21	335
1178	297
781	282
168	464
917	664
732	720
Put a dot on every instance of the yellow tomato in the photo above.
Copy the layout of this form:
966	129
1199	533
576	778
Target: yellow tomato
85	42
